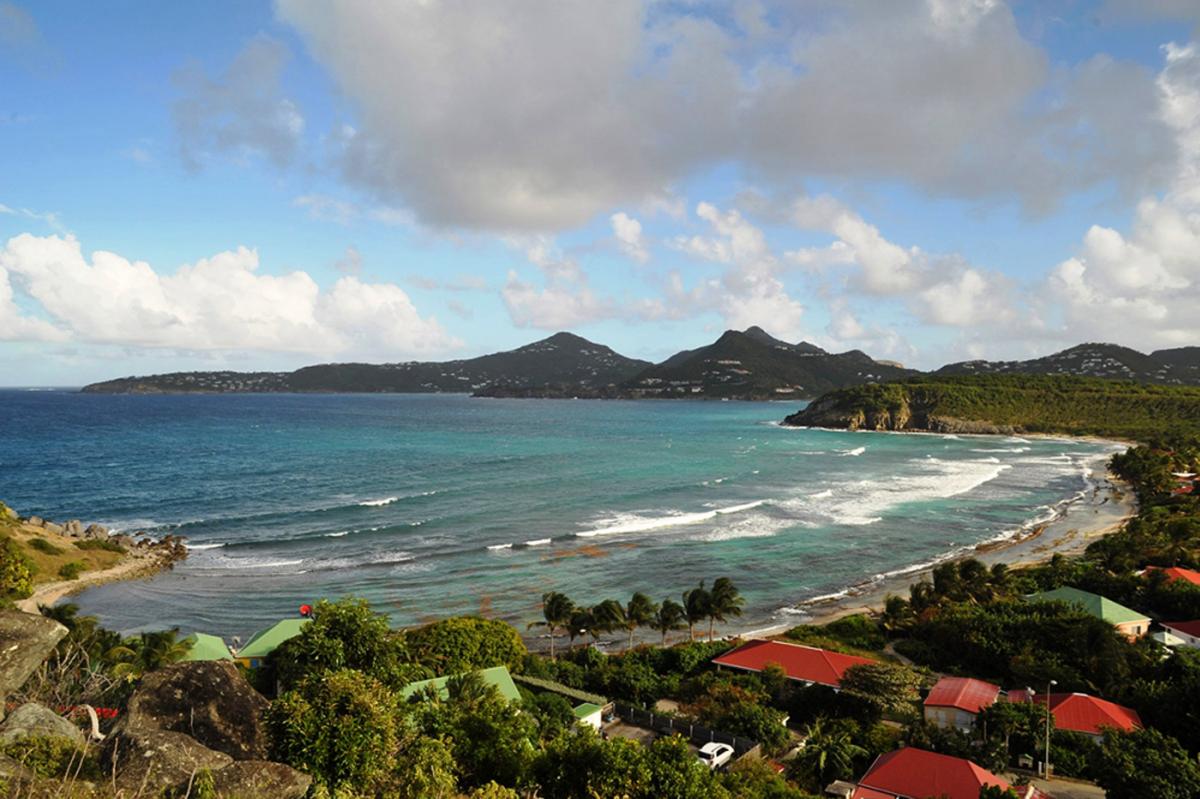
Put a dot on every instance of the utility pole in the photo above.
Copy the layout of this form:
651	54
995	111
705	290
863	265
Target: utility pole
1049	685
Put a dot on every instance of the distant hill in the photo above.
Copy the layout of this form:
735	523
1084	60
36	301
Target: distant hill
1010	403
1110	361
751	364
560	360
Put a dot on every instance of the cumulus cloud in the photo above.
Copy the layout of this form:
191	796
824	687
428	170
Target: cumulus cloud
537	116
217	303
628	233
240	114
1142	285
566	299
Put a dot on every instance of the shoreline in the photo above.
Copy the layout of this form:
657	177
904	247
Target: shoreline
1104	508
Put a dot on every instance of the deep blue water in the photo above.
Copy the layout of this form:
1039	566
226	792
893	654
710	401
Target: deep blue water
436	504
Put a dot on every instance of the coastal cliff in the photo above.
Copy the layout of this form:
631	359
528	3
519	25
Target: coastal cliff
1007	405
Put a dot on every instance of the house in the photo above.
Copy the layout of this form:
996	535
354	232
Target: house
804	664
1128	622
1167	639
590	709
957	701
202	646
497	676
1084	714
1187	631
264	642
1175	573
912	773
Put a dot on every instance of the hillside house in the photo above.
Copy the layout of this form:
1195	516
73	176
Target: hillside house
955	702
804	664
1128	622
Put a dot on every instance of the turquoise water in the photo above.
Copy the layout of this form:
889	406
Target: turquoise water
438	504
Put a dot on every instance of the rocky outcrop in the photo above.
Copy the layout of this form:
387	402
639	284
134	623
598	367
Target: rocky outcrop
898	411
25	641
32	720
208	700
260	778
198	717
153	760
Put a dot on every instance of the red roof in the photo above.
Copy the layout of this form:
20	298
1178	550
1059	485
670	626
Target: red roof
917	774
963	693
1174	573
1083	713
1191	628
805	663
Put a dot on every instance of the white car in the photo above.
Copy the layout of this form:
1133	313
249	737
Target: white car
715	755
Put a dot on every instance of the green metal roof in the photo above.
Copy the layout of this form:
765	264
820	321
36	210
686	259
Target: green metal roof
1094	604
264	642
497	676
586	709
206	647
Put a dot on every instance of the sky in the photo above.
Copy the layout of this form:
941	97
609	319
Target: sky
253	185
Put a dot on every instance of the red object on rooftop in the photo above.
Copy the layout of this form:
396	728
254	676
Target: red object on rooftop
1084	713
805	663
915	774
963	693
306	611
1174	573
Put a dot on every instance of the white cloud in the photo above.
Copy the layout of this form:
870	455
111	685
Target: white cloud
564	300
50	218
528	116
241	114
326	208
218	303
628	232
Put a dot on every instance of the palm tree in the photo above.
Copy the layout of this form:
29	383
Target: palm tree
668	618
147	652
696	602
723	601
827	754
556	613
638	613
581	623
607	617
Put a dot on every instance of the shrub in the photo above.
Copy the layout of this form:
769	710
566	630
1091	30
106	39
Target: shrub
16	576
51	758
42	545
467	643
101	543
340	727
70	571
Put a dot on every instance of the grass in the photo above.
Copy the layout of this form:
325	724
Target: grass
44	546
49	553
101	543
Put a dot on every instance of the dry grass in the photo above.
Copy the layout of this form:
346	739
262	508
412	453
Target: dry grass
48	563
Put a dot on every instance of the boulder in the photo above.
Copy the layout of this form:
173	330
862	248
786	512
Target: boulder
73	528
32	720
148	762
208	700
96	531
25	641
36	521
51	527
260	778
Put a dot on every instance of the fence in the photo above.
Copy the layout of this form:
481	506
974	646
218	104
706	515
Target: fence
696	733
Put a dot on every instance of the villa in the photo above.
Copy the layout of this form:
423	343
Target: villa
1128	622
955	702
497	676
264	642
202	646
912	773
1175	573
803	664
1188	632
1084	714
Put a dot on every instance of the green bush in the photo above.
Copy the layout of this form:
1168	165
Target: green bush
42	545
16	574
51	758
71	571
467	643
101	543
340	727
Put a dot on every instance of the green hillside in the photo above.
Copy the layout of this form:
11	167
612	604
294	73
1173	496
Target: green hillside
1011	403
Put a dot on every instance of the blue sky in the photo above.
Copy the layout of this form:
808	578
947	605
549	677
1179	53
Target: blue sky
260	186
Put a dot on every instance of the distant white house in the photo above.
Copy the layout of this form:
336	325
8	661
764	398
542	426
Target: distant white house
1188	632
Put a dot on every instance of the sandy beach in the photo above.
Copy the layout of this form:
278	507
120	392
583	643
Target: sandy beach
1102	510
137	563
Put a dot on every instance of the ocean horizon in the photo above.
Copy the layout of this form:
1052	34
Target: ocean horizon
435	505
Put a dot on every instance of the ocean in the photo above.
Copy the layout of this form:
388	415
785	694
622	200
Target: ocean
433	505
